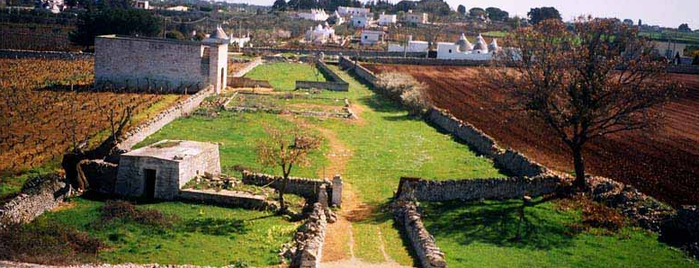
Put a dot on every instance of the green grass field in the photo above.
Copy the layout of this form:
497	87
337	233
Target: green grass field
237	135
202	234
283	76
480	234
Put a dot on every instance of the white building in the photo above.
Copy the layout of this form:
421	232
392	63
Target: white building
142	4
178	8
240	41
353	11
369	37
361	21
669	49
321	34
418	18
386	20
413	46
336	18
463	50
314	15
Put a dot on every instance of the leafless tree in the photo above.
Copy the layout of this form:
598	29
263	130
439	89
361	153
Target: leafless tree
592	79
286	149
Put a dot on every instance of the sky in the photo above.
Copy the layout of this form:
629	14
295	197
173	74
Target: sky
667	13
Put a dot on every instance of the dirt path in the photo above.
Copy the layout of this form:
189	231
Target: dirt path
339	246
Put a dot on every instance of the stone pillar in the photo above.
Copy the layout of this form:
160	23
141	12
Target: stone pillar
337	191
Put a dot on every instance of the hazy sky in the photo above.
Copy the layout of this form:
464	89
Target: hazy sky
669	13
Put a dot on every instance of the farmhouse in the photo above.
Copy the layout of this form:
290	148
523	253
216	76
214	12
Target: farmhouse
352	11
369	37
669	49
361	21
160	170
417	18
172	65
387	19
463	50
314	15
413	46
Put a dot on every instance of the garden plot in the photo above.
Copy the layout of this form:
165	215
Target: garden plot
300	104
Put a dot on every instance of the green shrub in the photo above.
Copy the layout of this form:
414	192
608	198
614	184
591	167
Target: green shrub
125	211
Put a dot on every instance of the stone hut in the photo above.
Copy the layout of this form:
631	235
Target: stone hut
160	170
172	65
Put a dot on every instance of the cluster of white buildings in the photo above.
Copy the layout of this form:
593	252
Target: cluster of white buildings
321	34
464	50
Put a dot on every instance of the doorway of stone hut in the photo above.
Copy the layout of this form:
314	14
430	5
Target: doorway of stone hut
149	189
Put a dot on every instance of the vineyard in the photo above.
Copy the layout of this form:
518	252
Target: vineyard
48	107
36	37
663	163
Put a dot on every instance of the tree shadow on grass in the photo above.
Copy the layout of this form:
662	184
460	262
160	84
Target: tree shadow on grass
497	223
217	227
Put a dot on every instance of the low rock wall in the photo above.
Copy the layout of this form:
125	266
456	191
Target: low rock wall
251	65
242	82
310	238
333	52
227	198
307	188
154	124
332	86
477	189
422	61
512	161
38	195
365	74
428	254
30	54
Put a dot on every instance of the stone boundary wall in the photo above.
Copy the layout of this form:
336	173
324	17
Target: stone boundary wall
307	188
359	70
31	54
154	124
422	61
227	198
510	160
38	195
428	254
477	189
310	238
347	115
334	52
683	69
332	86
254	63
335	83
241	82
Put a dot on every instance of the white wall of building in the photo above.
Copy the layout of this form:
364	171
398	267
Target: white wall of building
314	15
360	21
413	46
450	51
371	37
385	20
352	11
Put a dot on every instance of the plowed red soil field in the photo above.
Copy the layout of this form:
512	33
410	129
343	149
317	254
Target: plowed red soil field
663	163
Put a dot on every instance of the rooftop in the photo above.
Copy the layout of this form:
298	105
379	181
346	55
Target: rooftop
173	150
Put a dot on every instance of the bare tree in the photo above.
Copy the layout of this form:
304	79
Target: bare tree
286	149
586	81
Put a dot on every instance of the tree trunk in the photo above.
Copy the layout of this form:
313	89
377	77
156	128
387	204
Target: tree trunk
579	163
282	188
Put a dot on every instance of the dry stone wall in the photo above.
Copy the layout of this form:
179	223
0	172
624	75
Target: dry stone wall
154	124
334	83
38	195
101	176
228	199
307	188
477	189
429	255
31	54
251	65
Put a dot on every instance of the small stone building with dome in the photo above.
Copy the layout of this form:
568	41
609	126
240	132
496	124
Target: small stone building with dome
464	50
170	65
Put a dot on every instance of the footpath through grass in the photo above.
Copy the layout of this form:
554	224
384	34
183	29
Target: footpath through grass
481	234
200	235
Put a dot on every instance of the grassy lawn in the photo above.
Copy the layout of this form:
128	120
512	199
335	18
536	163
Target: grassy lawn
201	234
479	234
237	135
386	145
283	76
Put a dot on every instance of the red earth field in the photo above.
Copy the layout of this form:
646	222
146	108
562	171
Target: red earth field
663	163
